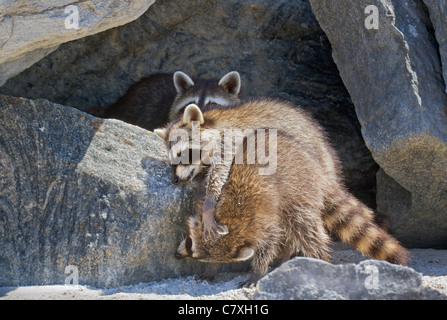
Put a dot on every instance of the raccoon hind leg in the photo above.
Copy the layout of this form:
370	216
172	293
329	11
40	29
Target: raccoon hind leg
307	234
264	255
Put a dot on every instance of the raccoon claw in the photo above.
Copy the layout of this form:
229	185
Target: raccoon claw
214	230
222	230
211	229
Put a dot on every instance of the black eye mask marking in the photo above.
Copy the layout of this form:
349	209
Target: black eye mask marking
188	246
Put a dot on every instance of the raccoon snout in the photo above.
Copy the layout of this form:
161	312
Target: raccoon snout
179	255
175	180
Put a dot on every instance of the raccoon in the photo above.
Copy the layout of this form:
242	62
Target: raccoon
204	93
162	97
292	212
250	114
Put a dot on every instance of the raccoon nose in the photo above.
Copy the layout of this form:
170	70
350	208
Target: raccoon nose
178	255
175	180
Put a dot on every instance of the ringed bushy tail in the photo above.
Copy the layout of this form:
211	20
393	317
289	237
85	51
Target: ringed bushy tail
353	222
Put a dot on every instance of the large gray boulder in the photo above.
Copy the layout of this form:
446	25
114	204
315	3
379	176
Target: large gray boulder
438	17
394	77
313	279
79	191
30	29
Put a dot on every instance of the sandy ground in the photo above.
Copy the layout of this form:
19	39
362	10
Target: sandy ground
431	263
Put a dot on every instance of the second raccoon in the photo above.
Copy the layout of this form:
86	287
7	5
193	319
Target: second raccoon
291	212
161	97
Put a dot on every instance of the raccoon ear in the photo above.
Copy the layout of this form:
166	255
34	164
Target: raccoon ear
161	133
231	82
182	82
192	113
245	253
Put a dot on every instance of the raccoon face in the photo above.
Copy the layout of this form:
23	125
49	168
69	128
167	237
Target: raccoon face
187	159
222	250
185	162
204	92
184	173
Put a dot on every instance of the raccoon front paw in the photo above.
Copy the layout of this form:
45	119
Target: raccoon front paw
212	230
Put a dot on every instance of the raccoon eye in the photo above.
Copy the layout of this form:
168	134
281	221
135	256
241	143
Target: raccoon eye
188	245
182	110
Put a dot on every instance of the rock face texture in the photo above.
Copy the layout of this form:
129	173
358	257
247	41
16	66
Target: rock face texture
79	191
312	279
394	76
29	29
277	46
438	17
